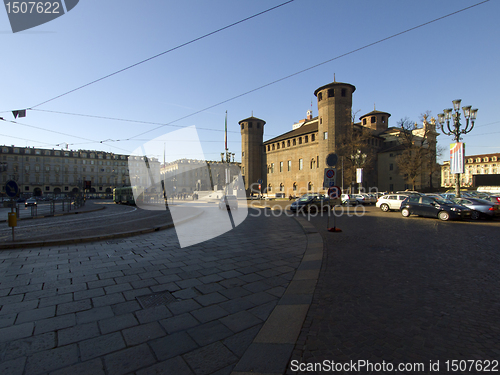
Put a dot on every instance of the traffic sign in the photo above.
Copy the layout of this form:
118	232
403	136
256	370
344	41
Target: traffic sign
331	160
329	177
11	189
259	181
334	192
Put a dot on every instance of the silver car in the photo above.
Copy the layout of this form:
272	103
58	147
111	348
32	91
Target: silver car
480	208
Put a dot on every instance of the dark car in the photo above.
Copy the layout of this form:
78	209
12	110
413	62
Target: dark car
228	202
480	207
433	207
30	202
311	202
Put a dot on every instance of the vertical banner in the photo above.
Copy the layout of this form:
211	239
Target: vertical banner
457	153
359	175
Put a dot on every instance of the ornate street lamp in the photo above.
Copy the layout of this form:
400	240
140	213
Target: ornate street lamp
359	159
454	129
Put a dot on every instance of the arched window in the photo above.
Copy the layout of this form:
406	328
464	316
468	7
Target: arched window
312	137
320	96
306	139
309	186
278	146
294	186
282	187
300	140
294	142
273	147
269	188
283	144
313	163
288	143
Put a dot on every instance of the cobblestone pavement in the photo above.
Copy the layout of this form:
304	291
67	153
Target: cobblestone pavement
404	291
143	305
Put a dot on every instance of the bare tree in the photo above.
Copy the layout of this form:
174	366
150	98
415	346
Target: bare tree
419	150
354	147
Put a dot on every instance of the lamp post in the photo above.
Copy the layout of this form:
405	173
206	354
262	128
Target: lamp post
454	129
359	160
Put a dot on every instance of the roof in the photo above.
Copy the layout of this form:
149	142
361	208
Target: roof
333	84
309	126
376	113
251	119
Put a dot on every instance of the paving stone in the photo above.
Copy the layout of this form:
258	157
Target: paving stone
260	298
210	332
207	314
101	345
128	360
84	294
75	306
179	323
126	307
48	360
240	321
29	345
117	323
209	288
181	307
235	305
16	331
153	314
210	299
108	299
13	367
143	333
7	320
56	300
175	366
97	313
210	358
77	333
19	306
36	314
240	342
94	367
172	345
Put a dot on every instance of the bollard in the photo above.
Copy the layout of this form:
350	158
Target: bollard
12	219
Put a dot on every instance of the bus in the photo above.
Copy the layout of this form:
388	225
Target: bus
123	195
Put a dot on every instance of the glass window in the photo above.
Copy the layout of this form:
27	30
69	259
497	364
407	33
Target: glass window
301	164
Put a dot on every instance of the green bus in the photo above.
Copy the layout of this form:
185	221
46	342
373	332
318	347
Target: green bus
123	195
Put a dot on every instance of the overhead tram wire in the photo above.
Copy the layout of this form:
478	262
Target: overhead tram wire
165	52
260	87
266	85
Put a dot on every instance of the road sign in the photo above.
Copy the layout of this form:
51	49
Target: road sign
334	192
330	177
331	159
259	181
11	189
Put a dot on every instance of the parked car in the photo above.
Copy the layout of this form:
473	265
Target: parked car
348	199
369	198
311	202
228	202
480	208
433	207
493	198
30	202
391	202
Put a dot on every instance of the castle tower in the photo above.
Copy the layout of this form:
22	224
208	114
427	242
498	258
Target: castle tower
376	120
252	136
334	116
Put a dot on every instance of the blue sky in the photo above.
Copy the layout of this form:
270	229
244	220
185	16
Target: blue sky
422	70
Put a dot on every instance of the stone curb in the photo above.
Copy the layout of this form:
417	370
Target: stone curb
56	215
70	241
272	348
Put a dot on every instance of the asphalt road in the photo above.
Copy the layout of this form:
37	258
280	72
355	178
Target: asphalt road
405	291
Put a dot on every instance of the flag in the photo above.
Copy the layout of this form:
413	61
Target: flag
457	152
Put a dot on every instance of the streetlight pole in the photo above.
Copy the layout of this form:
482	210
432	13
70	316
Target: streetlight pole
455	131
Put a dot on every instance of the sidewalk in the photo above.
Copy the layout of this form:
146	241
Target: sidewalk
234	304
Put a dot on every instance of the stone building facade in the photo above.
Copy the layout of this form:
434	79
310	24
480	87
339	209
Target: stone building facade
53	172
484	164
294	163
